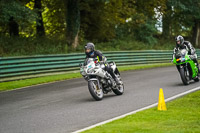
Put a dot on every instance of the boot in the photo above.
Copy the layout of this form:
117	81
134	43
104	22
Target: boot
198	68
197	64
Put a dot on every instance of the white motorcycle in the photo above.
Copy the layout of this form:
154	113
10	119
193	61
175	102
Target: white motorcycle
100	82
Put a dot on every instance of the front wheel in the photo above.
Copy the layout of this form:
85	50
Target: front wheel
95	91
184	76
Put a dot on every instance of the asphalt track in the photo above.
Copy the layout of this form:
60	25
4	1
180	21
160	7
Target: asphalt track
67	106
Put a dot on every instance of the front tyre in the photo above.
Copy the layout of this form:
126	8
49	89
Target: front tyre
184	76
95	91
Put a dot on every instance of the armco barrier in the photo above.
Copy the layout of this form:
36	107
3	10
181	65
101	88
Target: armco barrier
13	68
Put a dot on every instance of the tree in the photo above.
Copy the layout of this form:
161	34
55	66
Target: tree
166	21
39	20
104	20
13	27
151	10
196	33
187	13
73	22
98	19
54	18
14	16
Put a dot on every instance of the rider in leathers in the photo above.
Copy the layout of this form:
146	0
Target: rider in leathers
181	44
92	53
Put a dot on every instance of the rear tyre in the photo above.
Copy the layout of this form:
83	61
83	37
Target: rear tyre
119	90
184	76
95	91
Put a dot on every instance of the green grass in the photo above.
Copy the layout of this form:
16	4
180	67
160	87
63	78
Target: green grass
138	67
4	86
182	116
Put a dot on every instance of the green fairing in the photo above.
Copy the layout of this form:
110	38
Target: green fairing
191	62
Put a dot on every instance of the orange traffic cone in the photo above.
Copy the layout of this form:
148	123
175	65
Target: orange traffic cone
161	101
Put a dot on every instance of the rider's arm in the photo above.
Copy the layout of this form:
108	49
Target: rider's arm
85	61
191	48
100	57
175	49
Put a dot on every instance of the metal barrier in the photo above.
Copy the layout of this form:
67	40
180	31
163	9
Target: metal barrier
13	68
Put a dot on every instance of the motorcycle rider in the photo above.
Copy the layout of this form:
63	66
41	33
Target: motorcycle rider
92	53
181	44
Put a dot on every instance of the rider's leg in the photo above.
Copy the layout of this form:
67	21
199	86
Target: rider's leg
110	71
197	64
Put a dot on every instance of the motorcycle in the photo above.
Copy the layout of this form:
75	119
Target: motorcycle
100	82
186	66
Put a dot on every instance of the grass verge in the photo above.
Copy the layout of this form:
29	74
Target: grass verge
182	116
4	86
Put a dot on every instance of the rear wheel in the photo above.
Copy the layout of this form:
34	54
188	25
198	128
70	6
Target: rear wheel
184	73
95	91
119	89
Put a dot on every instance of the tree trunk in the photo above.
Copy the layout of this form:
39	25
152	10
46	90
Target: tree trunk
13	27
196	34
39	21
166	22
166	28
73	22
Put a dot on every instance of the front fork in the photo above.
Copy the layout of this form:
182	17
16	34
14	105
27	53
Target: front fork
97	80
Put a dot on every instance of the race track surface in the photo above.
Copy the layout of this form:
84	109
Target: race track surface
67	106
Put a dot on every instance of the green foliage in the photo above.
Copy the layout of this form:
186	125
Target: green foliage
107	23
54	18
122	44
12	8
182	16
73	22
98	19
147	7
31	46
39	46
145	33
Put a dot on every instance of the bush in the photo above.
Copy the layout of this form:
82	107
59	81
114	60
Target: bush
31	46
124	44
40	46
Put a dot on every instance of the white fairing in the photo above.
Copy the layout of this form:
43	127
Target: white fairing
92	69
100	72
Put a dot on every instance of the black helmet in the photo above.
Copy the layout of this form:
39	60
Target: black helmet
90	46
181	39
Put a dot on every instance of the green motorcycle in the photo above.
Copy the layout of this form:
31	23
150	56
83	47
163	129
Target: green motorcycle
186	66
